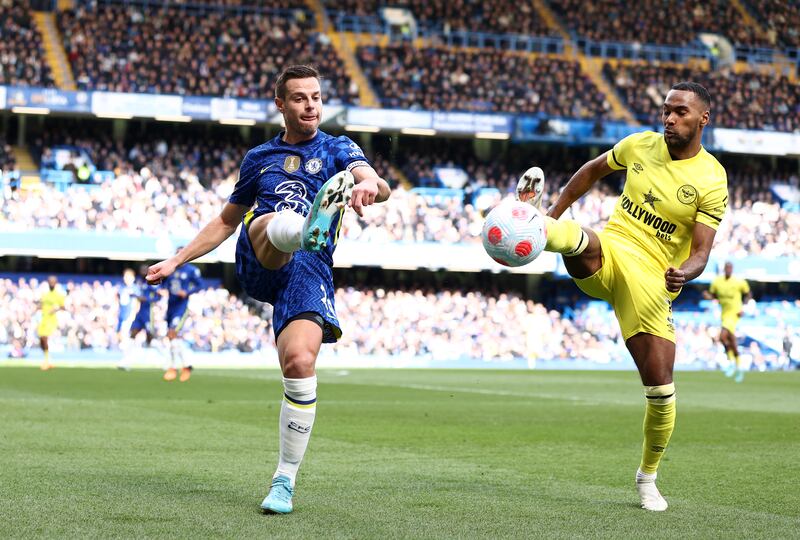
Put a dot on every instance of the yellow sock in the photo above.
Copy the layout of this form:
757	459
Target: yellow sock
659	421
565	236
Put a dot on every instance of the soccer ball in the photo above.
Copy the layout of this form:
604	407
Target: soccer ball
514	233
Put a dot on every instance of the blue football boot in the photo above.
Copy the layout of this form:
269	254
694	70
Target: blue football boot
331	199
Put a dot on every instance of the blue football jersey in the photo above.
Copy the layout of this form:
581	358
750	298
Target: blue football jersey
147	294
277	176
185	278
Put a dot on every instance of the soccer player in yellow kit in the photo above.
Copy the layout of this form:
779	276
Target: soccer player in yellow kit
731	292
658	238
51	302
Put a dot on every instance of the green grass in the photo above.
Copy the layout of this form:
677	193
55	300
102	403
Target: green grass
394	454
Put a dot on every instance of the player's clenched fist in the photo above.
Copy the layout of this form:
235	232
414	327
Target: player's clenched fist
676	278
160	271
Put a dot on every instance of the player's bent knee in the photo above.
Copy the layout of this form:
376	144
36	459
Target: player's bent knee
298	362
268	255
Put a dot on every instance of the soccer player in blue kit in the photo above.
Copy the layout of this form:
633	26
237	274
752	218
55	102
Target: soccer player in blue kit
180	285
147	296
284	258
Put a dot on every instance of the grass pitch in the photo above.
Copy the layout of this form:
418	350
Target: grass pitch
394	454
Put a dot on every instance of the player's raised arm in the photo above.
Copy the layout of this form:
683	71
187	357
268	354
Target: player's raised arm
579	184
209	238
369	189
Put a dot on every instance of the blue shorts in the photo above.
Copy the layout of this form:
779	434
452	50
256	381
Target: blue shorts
176	315
304	285
142	321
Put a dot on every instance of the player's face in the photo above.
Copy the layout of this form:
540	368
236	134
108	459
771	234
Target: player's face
683	115
52	281
728	269
302	108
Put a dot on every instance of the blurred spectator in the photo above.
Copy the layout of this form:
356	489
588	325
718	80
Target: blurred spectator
22	59
174	50
459	80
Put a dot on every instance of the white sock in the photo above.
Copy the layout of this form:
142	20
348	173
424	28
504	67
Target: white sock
644	477
174	353
125	346
298	410
285	230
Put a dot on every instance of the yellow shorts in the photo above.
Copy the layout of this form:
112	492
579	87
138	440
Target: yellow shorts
47	326
634	285
729	321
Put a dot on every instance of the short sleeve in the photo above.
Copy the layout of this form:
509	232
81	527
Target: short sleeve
713	204
348	155
713	288
745	287
246	188
617	158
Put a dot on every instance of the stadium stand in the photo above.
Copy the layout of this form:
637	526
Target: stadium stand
498	16
613	20
209	52
743	100
781	19
458	80
21	52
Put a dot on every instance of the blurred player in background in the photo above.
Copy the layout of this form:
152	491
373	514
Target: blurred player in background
184	282
284	258
146	297
50	303
732	293
128	303
658	238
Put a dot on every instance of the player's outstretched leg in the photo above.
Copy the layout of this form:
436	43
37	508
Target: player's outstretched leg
564	236
531	186
330	200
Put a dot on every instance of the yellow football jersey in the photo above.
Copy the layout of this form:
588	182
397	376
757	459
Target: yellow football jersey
664	198
729	292
51	301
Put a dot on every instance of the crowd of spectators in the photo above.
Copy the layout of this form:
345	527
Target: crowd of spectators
613	20
495	16
444	79
402	323
781	19
179	186
213	52
218	320
22	61
744	100
7	161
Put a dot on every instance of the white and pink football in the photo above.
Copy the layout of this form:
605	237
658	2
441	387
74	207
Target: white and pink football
514	233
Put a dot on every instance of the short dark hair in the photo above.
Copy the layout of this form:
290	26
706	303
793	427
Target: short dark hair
293	72
697	89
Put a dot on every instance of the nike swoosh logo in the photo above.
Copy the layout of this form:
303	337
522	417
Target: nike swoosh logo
265	169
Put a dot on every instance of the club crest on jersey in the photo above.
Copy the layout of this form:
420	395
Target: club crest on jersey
313	166
687	194
291	163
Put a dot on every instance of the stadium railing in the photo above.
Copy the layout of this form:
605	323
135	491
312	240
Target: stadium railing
640	51
361	24
199	6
